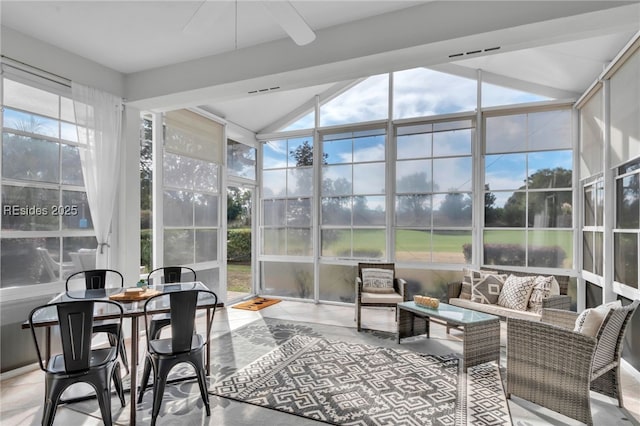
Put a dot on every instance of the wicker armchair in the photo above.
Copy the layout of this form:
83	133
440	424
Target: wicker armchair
391	300
551	365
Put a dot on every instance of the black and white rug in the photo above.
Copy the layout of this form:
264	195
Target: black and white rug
349	383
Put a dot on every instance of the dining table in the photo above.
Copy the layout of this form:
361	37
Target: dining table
133	310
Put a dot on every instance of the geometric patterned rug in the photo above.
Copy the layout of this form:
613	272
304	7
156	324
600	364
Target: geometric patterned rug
348	383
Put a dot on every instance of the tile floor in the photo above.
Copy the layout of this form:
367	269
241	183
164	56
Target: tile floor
21	395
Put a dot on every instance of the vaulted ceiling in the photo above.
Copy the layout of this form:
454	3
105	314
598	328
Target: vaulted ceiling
220	53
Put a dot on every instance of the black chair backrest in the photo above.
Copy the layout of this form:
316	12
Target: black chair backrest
183	305
171	274
97	278
75	321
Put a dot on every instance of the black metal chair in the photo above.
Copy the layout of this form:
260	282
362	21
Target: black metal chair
78	362
170	274
96	279
184	345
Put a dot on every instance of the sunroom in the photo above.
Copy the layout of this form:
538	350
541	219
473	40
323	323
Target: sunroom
420	140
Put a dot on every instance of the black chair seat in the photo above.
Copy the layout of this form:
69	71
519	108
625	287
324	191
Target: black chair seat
98	358
165	346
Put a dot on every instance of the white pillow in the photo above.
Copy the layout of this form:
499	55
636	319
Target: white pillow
516	292
376	280
543	287
590	320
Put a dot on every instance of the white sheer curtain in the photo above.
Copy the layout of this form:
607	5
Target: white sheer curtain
99	124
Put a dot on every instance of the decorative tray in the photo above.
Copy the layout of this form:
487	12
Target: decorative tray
132	295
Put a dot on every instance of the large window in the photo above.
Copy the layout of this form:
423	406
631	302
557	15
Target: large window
626	236
353	217
593	230
433	203
528	189
192	154
46	222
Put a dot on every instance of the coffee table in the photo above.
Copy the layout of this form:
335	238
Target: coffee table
481	332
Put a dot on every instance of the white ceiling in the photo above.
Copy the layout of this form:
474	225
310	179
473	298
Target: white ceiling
551	47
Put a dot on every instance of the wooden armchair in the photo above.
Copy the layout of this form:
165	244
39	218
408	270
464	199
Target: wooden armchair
365	298
553	366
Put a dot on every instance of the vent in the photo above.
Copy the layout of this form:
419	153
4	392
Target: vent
268	89
474	52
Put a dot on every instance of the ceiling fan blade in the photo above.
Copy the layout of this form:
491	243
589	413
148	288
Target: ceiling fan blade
206	15
290	20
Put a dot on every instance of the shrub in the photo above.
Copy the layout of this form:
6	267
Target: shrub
515	255
239	245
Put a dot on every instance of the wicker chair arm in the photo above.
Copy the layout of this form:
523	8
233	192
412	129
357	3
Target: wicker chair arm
453	290
557	302
358	288
559	317
402	287
547	364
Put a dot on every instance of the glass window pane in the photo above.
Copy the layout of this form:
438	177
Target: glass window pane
30	123
29	98
414	146
300	182
413	210
551	249
31	159
338	151
598	253
453	209
81	252
274	212
306	122
369	211
205	176
413	176
274	183
206	245
71	166
589	205
456	142
29	209
369	178
178	171
504	247
336	242
205	209
241	160
448	246
190	134
299	212
628	202
493	95
550	130
74	210
452	174
274	241
336	283
336	211
550	209
299	242
551	169
274	154
27	261
287	279
178	209
337	180
626	260
301	152
369	243
506	133
506	171
68	131
369	148
600	202
178	246
587	251
366	101
413	245
422	92
505	209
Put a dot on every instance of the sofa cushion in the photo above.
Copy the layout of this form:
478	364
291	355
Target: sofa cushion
487	289
543	287
376	280
516	292
500	311
470	276
590	320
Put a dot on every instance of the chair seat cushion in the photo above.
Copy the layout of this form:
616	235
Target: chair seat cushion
98	357
389	298
165	346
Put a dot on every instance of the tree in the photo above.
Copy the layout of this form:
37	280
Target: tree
303	154
456	207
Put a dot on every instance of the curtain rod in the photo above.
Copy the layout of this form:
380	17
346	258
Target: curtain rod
38	72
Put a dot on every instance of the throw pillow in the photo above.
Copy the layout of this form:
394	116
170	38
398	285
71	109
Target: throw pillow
469	277
516	292
541	290
590	320
487	289
375	280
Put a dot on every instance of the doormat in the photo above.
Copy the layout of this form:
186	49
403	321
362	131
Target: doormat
256	304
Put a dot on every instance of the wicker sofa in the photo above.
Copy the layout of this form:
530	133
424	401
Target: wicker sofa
561	301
